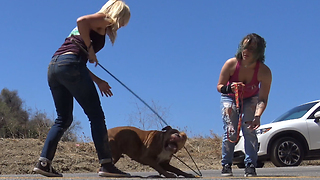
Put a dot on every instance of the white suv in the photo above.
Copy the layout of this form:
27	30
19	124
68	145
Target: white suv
286	141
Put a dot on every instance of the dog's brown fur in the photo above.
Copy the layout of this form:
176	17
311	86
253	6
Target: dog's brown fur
153	148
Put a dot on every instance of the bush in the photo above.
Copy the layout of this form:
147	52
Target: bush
17	122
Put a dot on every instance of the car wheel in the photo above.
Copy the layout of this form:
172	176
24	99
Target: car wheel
286	152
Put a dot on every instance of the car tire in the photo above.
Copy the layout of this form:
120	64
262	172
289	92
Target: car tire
286	151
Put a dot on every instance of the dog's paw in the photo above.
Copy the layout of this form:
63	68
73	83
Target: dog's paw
170	175
187	175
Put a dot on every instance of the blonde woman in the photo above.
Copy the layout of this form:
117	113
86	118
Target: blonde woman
68	78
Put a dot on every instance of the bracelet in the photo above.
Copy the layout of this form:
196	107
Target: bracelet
226	89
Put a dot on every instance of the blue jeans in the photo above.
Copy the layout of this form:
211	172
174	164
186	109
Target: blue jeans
69	78
231	117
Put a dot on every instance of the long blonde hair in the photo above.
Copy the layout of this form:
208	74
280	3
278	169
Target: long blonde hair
119	12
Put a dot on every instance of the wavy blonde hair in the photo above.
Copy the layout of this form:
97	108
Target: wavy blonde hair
119	12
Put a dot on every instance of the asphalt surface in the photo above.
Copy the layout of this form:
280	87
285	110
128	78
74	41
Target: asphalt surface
295	173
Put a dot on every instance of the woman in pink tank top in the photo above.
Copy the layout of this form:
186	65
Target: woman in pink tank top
253	78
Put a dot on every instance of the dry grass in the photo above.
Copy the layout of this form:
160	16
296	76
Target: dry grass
18	156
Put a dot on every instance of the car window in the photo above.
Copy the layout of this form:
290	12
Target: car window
312	115
296	112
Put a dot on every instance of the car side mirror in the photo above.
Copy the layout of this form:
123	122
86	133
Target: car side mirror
317	117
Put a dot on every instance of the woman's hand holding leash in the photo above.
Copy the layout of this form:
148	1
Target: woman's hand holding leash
92	56
90	53
238	84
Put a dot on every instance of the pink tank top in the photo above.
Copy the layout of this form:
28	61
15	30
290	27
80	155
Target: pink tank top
251	89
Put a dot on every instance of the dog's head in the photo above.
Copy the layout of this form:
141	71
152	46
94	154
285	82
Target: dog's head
174	139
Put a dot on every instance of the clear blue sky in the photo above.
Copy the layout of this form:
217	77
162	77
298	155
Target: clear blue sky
171	53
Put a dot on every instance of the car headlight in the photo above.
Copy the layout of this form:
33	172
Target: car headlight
263	130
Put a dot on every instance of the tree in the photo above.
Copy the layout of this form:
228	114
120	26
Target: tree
39	125
12	116
71	132
145	119
17	122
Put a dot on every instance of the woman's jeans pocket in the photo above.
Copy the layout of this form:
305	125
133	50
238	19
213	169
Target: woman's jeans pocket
69	73
65	69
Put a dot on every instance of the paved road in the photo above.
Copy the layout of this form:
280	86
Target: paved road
295	173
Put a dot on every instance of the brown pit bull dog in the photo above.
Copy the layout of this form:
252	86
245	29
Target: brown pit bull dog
153	148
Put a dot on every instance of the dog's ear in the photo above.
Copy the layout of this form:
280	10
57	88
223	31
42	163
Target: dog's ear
166	128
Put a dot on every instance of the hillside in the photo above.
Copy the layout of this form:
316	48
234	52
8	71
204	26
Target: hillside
18	156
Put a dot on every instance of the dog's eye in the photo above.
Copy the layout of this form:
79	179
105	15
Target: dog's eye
177	134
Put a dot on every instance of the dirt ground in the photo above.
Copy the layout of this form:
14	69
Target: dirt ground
18	156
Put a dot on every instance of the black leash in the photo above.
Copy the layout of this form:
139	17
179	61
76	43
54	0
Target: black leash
134	94
199	172
85	51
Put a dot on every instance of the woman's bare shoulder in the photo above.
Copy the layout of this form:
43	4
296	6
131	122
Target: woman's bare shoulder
264	72
264	68
231	62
